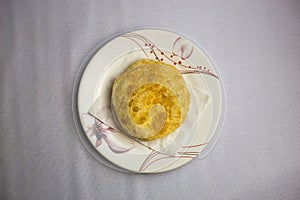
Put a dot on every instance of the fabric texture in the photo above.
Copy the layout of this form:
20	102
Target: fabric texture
255	45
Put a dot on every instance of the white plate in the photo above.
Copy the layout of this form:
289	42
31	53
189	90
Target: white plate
105	62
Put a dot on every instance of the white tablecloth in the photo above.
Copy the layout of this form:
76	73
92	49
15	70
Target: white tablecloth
256	46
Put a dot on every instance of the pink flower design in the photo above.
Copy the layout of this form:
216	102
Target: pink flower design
117	142
183	48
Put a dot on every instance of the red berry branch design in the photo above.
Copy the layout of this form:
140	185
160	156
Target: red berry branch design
181	51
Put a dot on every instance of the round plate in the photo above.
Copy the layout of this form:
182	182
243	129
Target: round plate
108	60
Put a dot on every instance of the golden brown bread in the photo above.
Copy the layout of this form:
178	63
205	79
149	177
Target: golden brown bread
150	99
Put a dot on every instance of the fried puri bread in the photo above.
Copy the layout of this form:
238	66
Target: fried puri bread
150	99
